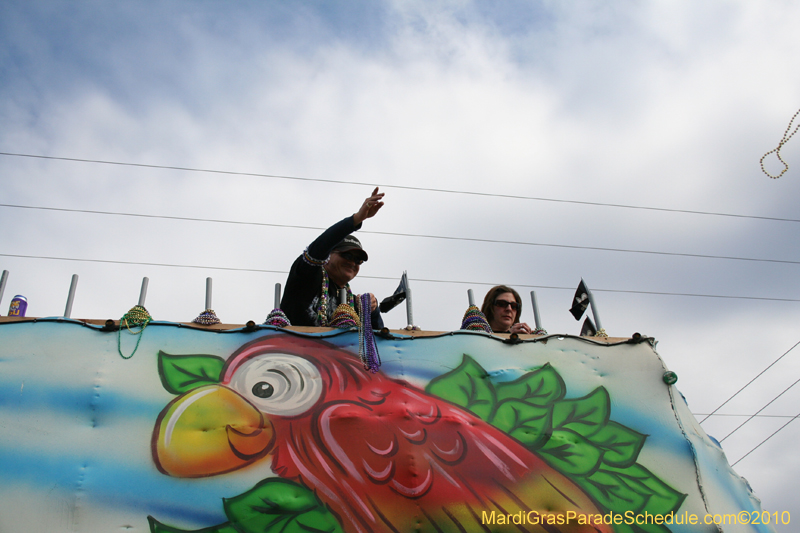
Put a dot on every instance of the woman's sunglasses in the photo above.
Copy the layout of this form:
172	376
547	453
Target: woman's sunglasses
502	304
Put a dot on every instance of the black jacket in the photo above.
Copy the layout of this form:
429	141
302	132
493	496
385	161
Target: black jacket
304	284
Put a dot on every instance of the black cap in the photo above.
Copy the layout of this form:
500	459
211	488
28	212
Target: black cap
351	244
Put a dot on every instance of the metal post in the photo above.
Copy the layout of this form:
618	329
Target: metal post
72	286
594	308
409	309
535	310
471	298
342	296
143	292
208	293
3	280
277	296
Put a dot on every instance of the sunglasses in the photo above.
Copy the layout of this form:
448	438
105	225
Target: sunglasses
351	257
502	304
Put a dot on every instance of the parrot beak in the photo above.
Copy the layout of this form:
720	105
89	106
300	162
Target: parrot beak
208	431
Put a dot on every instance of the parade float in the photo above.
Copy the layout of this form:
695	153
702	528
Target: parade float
145	425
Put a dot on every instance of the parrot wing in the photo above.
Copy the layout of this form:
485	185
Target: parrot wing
409	460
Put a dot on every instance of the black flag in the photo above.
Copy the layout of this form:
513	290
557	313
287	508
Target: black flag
588	329
580	302
389	303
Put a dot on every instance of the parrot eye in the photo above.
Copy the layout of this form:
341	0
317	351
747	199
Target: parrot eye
262	389
278	384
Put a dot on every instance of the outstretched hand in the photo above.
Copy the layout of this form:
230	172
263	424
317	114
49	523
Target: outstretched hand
369	208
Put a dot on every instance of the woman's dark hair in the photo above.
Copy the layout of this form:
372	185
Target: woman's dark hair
488	302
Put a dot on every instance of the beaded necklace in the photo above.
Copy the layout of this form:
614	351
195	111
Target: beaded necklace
475	320
324	299
367	349
345	317
136	317
207	318
777	151
277	318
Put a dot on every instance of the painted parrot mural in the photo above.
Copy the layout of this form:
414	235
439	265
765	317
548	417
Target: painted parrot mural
360	452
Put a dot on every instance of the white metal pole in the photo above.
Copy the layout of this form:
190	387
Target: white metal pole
471	298
277	296
409	311
208	292
535	310
71	297
3	280
594	308
143	292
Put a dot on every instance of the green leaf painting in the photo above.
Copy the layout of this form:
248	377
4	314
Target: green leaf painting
621	444
272	506
279	505
529	424
571	453
576	436
541	387
611	491
586	415
662	498
182	373
158	527
467	386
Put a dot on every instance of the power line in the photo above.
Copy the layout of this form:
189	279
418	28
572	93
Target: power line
749	382
755	415
759	411
142	263
416	235
400	187
169	217
423	280
765	440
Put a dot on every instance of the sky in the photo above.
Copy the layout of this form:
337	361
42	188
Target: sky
529	143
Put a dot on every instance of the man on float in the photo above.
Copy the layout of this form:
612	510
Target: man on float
327	265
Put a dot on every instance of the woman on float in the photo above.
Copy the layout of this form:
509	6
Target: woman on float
502	307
